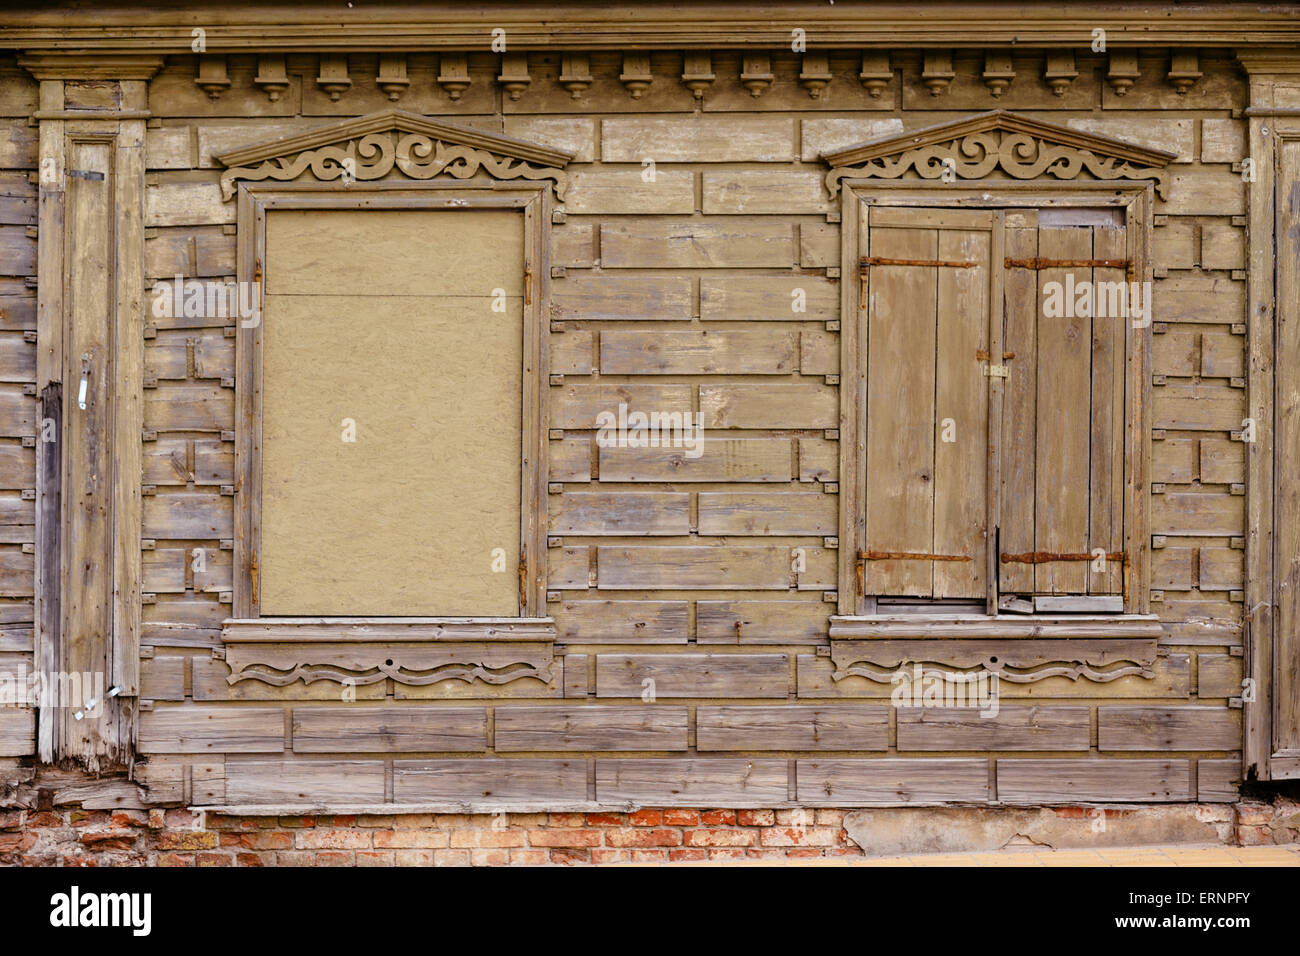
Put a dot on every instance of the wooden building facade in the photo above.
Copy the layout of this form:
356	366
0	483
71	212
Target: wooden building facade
663	407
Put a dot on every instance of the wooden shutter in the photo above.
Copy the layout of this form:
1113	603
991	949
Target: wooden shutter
926	277
1063	415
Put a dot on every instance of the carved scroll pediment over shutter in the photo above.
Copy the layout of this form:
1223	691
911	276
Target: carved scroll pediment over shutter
1017	146
370	148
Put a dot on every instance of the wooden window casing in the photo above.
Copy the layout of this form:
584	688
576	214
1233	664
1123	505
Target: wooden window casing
533	203
978	236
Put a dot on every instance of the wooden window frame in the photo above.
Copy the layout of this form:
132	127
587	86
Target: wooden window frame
858	616
254	202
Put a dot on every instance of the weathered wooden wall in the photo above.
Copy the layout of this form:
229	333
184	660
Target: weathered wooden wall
670	293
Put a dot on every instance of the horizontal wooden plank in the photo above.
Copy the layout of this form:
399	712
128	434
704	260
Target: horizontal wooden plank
186	204
720	459
1035	780
1201	298
1218	781
1221	569
761	622
693	782
1171	568
1168	728
189	408
993	727
691	567
764	191
696	244
163	570
196	730
628	190
699	139
580	405
569	568
768	298
580	298
571	353
891	781
792	727
319	782
588	728
409	729
1174	460
490	779
768	513
1218	676
701	352
1222	461
713	676
570	459
162	677
621	622
17	731
769	406
621	512
17	467
1206	513
188	516
1199	406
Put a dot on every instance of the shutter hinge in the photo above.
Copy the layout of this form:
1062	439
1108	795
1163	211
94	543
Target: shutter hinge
995	371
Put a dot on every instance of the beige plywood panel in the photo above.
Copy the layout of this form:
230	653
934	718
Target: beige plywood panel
406	350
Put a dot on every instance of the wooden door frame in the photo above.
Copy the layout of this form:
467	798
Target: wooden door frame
1136	200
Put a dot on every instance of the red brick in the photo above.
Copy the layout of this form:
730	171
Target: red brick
610	856
502	838
569	856
566	819
413	858
111	840
829	818
797	836
1254	836
718	818
606	819
534	857
687	855
297	822
215	859
11	819
44	819
129	818
645	818
334	839
491	857
803	853
175	859
727	853
681	818
265	840
187	840
721	838
451	858
1250	814
183	819
643	837
374	858
756	818
649	856
564	838
295	858
335	858
249	859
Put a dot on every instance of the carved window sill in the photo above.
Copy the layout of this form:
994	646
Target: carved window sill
409	651
1019	650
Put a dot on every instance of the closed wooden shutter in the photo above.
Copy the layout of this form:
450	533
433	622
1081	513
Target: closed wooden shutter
926	279
1063	428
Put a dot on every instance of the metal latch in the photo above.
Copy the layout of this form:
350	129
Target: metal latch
996	371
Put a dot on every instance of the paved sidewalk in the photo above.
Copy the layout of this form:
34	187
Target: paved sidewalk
1120	856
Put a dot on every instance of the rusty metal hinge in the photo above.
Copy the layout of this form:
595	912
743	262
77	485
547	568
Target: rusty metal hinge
1045	557
1038	262
523	581
909	556
940	263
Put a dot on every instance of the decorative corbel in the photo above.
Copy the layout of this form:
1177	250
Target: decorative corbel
212	78
876	73
697	73
514	78
453	74
392	78
936	73
1184	71
333	78
998	72
575	73
271	78
816	74
1059	72
636	75
756	73
1123	71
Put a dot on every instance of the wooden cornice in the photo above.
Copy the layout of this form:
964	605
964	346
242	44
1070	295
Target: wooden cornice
400	121
98	66
164	27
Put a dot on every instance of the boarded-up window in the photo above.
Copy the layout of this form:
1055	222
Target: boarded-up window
970	311
391	412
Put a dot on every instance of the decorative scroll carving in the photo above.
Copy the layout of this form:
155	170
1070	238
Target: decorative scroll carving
374	157
1018	147
410	664
1018	661
372	147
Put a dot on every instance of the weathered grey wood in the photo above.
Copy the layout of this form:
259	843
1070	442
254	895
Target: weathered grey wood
1218	676
488	780
622	297
1032	780
767	513
720	459
792	727
180	730
599	728
621	513
891	781
691	567
409	729
693	782
993	727
1218	781
697	353
734	242
311	782
621	622
1168	728
768	406
760	622
692	675
768	299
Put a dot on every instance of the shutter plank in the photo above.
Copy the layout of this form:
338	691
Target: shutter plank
1106	482
900	411
1019	415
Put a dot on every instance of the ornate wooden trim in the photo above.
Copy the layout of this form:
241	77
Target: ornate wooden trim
1020	147
370	148
390	630
1001	628
1099	660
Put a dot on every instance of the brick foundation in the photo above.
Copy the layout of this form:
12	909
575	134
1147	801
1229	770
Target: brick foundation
65	836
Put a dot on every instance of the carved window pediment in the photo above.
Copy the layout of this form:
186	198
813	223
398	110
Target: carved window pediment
1017	146
371	147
